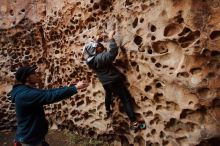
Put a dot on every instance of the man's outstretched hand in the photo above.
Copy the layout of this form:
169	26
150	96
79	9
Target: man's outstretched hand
99	38
81	85
104	37
111	34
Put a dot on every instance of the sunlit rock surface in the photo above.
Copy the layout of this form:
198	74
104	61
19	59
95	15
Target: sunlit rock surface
169	54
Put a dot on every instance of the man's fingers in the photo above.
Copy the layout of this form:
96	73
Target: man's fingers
82	84
111	33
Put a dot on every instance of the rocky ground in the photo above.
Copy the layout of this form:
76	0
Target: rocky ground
57	138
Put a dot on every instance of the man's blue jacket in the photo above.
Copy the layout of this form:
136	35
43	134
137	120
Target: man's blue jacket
32	125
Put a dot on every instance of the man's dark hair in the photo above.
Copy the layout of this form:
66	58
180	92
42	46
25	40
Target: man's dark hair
100	45
23	72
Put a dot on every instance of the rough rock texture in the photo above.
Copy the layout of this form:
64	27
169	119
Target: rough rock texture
169	53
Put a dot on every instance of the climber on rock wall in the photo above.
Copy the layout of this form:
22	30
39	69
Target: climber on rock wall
101	61
32	125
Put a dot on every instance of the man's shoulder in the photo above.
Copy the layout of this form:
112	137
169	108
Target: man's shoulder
20	89
100	55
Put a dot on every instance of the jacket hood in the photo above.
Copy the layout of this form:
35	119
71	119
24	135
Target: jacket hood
15	90
89	51
90	48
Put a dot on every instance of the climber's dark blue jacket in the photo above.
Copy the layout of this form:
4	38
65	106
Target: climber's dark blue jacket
32	125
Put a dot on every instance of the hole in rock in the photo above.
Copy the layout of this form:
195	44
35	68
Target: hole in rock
165	66
203	92
211	75
133	63
78	3
105	4
135	23
212	63
160	47
80	103
11	12
150	75
153	60
156	144
144	7
90	10
148	113
153	131
149	50
153	38
141	49
151	122
95	6
183	74
153	28
144	98
184	113
139	77
185	45
128	2
141	20
147	88
139	140
185	31
137	68
215	35
215	54
158	85
157	96
190	37
190	102
137	40
159	107
22	10
179	19
162	134
195	70
202	110
149	143
172	29
91	133
57	51
210	142
72	103
158	65
216	102
171	123
14	56
182	140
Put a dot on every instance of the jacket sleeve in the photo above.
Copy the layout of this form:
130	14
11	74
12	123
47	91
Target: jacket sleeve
42	97
108	57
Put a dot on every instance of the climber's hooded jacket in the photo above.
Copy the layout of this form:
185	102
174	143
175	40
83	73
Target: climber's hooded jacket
32	125
102	63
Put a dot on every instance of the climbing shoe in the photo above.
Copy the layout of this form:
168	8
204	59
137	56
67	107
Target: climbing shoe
137	125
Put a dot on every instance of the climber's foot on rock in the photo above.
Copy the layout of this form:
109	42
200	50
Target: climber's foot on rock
137	125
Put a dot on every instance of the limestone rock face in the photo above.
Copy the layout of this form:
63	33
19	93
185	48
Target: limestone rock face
169	53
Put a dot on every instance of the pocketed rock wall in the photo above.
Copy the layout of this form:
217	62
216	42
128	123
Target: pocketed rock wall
169	54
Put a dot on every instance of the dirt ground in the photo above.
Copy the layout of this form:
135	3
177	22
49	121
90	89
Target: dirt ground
56	138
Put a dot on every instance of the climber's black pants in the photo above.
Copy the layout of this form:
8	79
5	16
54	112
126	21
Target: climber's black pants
118	88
